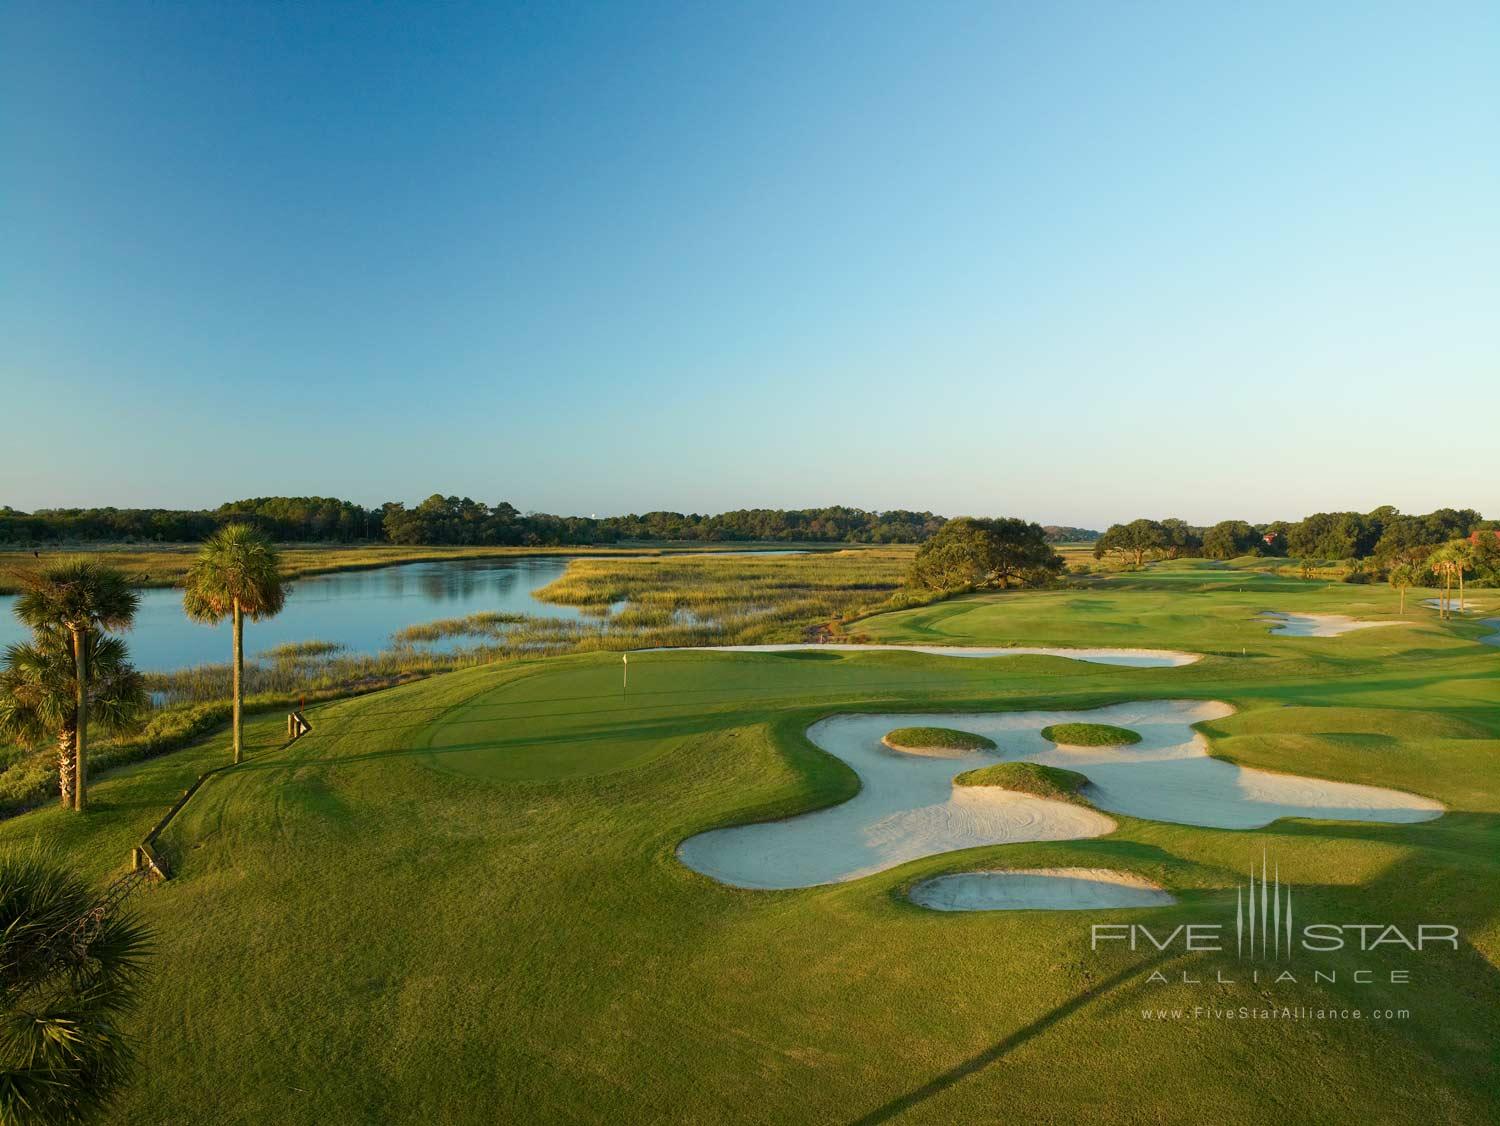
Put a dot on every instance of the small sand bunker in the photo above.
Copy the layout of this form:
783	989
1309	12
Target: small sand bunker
1134	658
1039	889
1318	625
908	806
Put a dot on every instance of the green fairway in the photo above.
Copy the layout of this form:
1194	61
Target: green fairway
459	899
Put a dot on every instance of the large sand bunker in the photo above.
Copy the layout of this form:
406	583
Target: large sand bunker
1318	625
1038	889
1136	658
908	807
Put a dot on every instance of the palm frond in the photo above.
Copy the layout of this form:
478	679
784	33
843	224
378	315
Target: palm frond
236	563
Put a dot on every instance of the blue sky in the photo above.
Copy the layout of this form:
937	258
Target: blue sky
1076	262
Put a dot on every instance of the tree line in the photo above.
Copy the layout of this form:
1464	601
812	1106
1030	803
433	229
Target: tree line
1370	544
459	520
440	520
1385	533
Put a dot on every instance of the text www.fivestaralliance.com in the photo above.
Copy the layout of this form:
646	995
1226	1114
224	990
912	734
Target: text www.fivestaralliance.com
1285	1013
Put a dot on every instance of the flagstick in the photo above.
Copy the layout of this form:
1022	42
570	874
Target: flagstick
625	664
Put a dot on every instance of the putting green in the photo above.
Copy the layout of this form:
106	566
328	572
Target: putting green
484	737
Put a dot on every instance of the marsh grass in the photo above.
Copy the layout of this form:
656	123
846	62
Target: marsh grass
302	650
738	600
486	623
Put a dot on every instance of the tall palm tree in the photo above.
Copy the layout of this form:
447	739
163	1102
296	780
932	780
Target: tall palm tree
237	575
78	598
39	695
1442	564
1463	554
71	966
1402	576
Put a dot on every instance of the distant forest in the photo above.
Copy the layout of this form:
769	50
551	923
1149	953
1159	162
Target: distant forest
1384	534
463	521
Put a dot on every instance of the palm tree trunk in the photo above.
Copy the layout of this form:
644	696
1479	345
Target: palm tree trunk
1402	591
1460	590
239	672
66	764
81	742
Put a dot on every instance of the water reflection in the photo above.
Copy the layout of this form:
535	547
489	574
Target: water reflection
360	609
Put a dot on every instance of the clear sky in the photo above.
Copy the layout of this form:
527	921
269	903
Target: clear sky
1076	262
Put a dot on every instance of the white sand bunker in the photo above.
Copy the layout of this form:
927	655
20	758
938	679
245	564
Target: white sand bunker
1135	658
1039	889
1454	607
908	807
1318	625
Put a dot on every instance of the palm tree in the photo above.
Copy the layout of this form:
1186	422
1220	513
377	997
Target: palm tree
1463	554
78	598
1402	576
237	575
1442	564
39	695
71	965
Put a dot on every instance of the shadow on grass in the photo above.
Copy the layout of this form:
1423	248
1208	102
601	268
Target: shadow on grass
999	1050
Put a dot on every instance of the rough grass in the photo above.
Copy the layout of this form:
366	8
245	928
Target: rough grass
1028	778
937	738
459	899
1090	734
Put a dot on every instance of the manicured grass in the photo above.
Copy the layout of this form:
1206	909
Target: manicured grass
1027	778
459	900
937	738
1091	735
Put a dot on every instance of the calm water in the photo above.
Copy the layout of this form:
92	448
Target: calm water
358	608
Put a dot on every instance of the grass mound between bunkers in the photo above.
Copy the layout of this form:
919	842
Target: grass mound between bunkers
936	741
1090	735
1028	778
